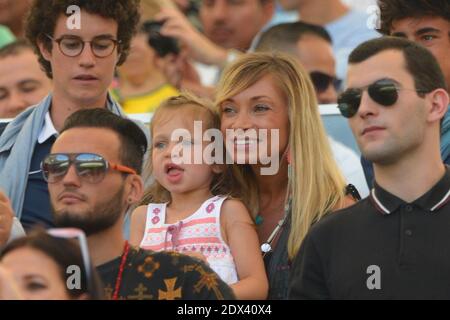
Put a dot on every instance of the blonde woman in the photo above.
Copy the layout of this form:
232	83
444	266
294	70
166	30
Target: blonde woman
271	91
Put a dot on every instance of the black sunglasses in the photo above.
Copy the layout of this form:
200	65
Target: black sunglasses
90	167
322	81
383	92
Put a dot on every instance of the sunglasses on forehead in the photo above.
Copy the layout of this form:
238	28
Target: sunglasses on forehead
90	167
384	92
322	81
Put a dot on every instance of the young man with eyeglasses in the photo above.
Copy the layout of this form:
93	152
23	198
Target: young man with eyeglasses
311	46
81	61
93	174
394	243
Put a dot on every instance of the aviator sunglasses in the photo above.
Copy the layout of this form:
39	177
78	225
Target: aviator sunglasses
90	167
384	92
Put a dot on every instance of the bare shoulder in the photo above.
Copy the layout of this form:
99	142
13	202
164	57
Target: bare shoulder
140	212
235	210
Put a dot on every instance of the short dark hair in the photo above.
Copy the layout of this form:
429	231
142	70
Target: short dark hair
283	37
420	62
65	253
392	10
44	14
15	48
132	139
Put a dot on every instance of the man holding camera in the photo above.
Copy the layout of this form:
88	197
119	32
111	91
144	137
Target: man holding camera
229	28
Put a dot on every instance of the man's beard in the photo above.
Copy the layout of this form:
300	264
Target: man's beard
102	217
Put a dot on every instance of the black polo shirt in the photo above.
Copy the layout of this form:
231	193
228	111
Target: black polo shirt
379	248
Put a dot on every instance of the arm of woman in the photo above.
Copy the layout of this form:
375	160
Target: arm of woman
137	228
238	230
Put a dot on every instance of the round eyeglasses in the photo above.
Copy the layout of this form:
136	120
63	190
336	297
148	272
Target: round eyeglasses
72	46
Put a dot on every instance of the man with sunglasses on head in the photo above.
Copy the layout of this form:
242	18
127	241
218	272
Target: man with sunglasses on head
394	243
311	46
79	51
93	174
428	23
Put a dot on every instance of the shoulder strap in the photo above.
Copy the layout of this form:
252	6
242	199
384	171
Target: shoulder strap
156	215
214	205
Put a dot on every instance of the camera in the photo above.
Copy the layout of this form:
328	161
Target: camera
161	44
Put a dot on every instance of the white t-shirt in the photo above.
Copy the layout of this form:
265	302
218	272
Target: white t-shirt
350	165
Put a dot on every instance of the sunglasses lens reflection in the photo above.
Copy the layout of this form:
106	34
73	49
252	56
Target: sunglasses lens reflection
384	94
90	167
349	101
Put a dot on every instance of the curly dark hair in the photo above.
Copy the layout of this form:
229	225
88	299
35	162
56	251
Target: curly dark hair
44	14
391	10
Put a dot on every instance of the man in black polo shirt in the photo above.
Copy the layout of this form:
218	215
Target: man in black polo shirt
394	243
428	23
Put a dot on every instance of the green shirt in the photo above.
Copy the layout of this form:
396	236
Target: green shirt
6	36
163	275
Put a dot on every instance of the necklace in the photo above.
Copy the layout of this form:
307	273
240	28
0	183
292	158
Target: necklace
266	247
121	267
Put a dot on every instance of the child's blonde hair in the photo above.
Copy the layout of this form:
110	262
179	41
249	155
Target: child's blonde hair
227	183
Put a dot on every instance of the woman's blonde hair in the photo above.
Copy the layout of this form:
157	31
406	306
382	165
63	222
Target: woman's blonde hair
316	185
225	183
